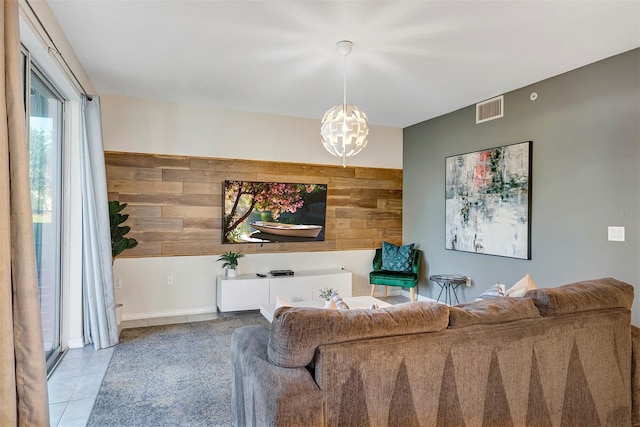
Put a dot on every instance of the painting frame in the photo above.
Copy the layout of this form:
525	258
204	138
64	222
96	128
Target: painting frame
273	212
488	201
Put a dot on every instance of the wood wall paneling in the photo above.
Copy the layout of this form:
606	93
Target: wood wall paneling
175	203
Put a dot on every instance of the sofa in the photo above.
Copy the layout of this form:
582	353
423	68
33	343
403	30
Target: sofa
564	356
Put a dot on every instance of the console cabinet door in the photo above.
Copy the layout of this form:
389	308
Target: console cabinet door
307	285
236	294
290	287
339	282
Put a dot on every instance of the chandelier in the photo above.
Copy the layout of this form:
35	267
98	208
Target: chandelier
344	127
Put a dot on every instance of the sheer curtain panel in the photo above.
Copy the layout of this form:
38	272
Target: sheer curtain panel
23	382
100	327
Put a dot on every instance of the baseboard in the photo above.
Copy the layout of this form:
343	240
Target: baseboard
76	343
391	291
418	296
169	313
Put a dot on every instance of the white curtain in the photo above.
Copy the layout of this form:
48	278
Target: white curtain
100	327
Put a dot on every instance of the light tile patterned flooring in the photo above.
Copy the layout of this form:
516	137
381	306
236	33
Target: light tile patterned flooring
74	385
75	382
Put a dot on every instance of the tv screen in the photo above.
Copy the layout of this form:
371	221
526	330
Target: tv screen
259	212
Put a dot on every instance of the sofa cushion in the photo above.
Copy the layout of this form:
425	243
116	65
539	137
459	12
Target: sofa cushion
297	332
582	296
393	278
396	258
492	310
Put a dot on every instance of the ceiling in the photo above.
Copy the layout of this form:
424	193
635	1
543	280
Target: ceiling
411	60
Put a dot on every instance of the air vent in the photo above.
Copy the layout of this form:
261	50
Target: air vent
490	109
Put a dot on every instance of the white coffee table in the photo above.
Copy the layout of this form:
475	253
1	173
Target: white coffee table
353	302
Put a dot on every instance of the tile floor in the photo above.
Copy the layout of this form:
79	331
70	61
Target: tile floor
74	385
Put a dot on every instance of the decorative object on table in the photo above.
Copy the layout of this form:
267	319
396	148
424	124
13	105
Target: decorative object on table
396	258
344	127
326	293
521	287
259	212
449	284
119	243
487	201
230	262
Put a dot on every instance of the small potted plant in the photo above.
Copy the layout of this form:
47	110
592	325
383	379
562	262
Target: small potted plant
230	262
325	293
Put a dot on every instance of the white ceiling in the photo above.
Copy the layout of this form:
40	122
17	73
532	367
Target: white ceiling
411	60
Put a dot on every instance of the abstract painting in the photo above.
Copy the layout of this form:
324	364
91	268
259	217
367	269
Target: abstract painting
487	201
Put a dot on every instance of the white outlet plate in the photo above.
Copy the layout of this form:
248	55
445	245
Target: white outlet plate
169	280
468	281
616	234
118	283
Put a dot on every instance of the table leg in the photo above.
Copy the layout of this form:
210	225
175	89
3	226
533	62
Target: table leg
455	292
441	289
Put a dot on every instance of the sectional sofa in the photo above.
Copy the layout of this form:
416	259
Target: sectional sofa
564	356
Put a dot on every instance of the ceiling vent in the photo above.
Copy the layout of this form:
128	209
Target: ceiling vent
490	109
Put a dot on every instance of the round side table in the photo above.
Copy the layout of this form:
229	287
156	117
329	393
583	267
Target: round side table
449	284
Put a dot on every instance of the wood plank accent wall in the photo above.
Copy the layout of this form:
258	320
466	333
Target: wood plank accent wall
175	203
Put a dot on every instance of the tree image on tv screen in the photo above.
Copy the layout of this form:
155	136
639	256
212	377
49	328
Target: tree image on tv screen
272	203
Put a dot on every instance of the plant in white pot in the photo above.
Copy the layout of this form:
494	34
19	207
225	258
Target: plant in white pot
230	262
119	243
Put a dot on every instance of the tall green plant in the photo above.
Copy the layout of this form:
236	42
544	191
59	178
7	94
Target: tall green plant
119	243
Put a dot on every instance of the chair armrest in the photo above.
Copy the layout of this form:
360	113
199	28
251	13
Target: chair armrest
377	260
635	376
415	263
266	394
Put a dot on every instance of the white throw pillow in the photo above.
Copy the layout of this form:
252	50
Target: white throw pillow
495	291
521	287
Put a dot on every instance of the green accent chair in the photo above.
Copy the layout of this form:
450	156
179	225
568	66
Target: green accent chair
405	279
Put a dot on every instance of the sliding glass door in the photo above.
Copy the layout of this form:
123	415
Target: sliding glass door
45	115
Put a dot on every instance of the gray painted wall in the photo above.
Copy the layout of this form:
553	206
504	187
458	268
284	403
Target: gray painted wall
586	176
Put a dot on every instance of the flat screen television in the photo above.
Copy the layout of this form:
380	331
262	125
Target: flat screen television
262	212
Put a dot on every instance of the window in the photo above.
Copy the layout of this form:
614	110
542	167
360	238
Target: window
45	115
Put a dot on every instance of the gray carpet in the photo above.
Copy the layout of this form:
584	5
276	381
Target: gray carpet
172	375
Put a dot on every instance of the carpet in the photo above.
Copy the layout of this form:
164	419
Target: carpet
171	375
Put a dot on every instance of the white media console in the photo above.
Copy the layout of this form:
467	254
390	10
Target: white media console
249	292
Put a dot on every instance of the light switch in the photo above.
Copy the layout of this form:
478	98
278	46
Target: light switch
616	234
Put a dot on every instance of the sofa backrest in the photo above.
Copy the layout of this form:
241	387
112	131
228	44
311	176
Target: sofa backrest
569	370
492	310
296	333
582	296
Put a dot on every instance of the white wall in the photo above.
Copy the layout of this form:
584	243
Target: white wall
147	126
